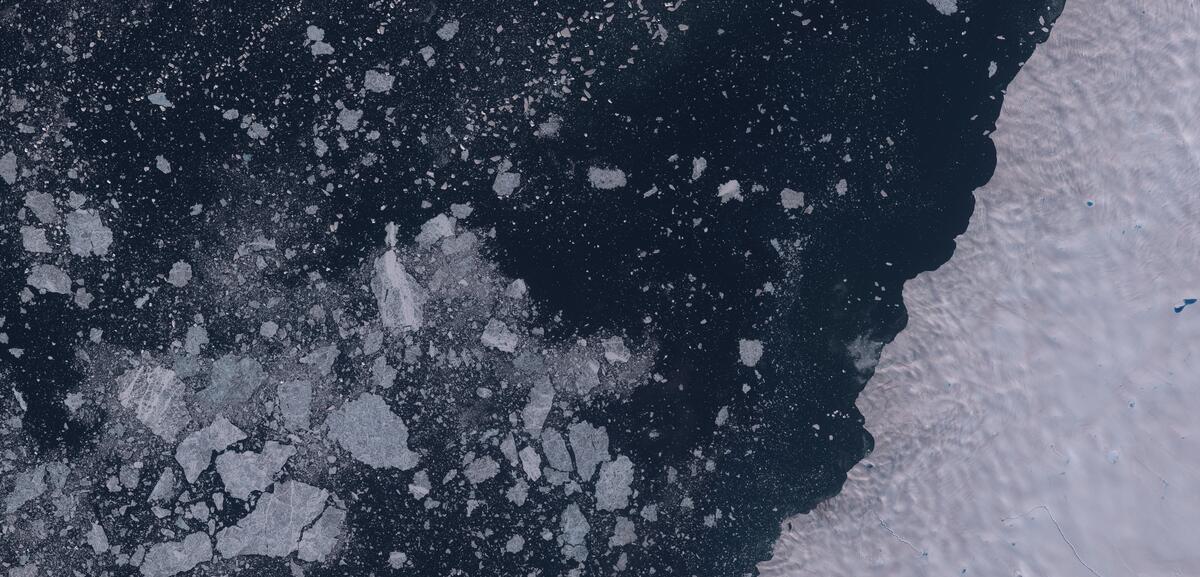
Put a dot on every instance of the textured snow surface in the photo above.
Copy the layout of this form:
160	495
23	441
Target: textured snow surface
1037	416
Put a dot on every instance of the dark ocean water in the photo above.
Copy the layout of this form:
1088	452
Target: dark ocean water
903	91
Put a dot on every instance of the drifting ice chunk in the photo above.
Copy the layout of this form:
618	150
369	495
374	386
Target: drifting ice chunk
27	486
320	539
233	380
497	336
164	488
49	278
348	119
606	178
612	487
162	164
575	528
435	229
506	183
195	452
160	99
8	167
590	445
481	469
624	533
275	526
750	351
172	558
88	234
541	399
33	239
397	293
322	358
372	433
294	400
615	350
791	199
448	30
729	191
97	539
531	463
946	7
180	274
42	205
244	473
556	450
698	165
157	398
376	81
515	544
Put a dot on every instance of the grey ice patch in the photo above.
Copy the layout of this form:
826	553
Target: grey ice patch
722	416
42	205
448	30
841	187
319	540
276	525
556	450
233	381
372	433
294	399
87	233
160	99
244	473
27	486
257	131
172	558
49	278
506	183
164	488
157	398
8	167
196	339
750	351
606	178
180	274
497	336
613	485
195	452
791	199
573	536
516	289
397	294
946	7
481	469
590	446
33	239
731	190
864	353
348	119
162	164
550	128
378	81
28	570
541	400
382	374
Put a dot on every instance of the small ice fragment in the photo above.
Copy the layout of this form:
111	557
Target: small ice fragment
97	539
946	7
992	68
317	37
791	199
162	164
49	278
722	416
157	398
515	544
730	190
574	529
448	30
506	183
257	131
320	539
180	274
295	399
277	523
624	533
27	486
615	350
841	187
750	351
497	336
541	400
42	205
378	81
435	229
531	463
516	289
397	294
556	452
590	446
606	178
